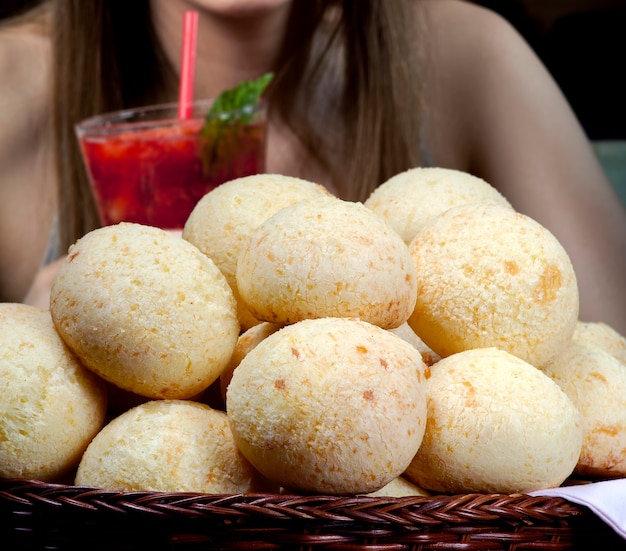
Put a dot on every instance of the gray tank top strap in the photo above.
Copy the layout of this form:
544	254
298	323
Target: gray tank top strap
53	251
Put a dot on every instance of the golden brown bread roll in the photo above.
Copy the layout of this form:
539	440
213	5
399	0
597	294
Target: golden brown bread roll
489	276
222	221
326	257
495	424
168	446
329	405
595	381
50	405
145	310
411	199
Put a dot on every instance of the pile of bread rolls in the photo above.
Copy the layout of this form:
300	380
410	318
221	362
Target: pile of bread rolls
425	341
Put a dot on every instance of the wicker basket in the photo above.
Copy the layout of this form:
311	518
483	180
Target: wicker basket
37	515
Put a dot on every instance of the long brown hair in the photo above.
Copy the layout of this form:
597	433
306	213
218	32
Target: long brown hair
347	83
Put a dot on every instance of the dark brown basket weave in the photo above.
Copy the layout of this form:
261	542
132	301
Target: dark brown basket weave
37	515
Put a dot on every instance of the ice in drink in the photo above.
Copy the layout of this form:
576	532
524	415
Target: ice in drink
148	166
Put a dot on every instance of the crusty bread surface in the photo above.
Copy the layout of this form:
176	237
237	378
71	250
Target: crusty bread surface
329	405
326	257
489	276
51	406
222	221
145	310
495	424
168	446
411	199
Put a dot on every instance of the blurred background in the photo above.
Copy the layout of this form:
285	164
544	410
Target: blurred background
583	44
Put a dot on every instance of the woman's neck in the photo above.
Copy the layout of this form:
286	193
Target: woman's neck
230	48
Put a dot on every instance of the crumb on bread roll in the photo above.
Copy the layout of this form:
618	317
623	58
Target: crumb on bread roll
495	424
168	446
145	310
329	405
222	221
411	199
50	405
326	257
489	276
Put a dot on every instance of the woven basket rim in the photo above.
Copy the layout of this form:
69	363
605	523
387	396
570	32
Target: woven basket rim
57	516
435	509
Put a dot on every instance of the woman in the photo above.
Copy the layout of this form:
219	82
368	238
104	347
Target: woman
364	89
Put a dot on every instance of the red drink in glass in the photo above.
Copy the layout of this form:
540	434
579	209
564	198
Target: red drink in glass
149	167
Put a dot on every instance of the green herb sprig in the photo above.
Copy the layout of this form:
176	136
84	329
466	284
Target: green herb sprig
237	104
233	107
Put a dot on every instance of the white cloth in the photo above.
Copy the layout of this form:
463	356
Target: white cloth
607	499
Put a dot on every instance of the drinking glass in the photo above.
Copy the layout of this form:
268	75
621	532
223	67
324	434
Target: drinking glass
147	165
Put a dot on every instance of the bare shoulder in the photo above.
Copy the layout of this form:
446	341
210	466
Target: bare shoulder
460	20
479	72
470	41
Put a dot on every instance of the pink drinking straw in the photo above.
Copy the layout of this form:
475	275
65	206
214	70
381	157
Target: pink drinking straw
187	64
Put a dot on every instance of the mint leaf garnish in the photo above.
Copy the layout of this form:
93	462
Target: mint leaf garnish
237	104
233	107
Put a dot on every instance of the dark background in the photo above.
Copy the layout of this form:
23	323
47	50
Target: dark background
14	7
583	44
